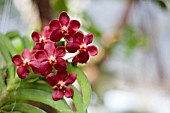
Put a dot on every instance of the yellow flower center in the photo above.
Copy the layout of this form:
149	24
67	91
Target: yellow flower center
59	85
83	46
64	29
26	62
52	59
42	39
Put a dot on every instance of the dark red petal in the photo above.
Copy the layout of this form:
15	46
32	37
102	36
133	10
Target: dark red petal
35	66
78	37
41	55
72	47
36	36
60	51
38	46
54	25
60	65
49	49
45	68
71	78
75	60
92	50
88	38
22	72
68	38
68	92
46	32
17	60
26	53
56	36
64	19
52	79
62	75
74	25
83	57
57	94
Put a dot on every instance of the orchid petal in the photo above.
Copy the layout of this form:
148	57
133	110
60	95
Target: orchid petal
56	36
88	38
92	50
64	19
71	78
36	36
68	92
17	60
45	68
57	94
54	25
22	72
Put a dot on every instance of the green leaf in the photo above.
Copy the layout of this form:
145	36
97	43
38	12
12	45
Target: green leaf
2	84
26	42
83	82
42	97
13	34
24	108
77	100
3	51
40	86
8	45
6	55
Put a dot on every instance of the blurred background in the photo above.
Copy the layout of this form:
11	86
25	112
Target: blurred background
131	73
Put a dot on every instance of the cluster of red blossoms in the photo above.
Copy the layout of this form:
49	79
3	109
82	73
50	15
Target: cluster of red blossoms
47	56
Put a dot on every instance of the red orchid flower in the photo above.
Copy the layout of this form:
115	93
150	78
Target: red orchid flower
25	61
41	38
50	58
63	27
59	83
81	43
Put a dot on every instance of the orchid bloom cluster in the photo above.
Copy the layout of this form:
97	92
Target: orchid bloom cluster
46	56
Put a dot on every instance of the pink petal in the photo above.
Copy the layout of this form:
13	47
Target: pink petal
71	78
17	60
52	79
57	94
54	25
60	51
35	66
64	19
45	68
83	57
32	55
88	38
22	72
68	92
38	46
61	75
36	36
26	53
92	50
46	32
61	64
78	37
49	49
72	47
41	55
56	36
74	25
